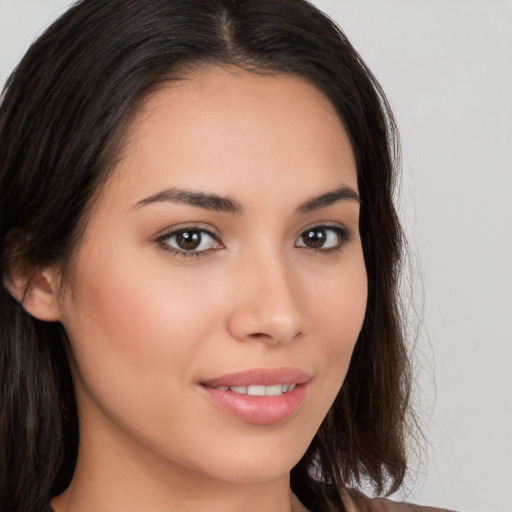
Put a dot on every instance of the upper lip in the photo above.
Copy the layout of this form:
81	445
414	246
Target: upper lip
261	377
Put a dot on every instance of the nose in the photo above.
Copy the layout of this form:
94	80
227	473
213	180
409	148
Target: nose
267	303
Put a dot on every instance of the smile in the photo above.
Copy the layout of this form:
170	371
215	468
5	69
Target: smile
259	396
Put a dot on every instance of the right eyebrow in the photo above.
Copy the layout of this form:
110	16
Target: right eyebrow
342	193
212	202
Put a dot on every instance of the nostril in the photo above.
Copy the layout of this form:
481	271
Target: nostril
259	335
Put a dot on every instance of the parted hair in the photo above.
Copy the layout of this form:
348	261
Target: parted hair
64	114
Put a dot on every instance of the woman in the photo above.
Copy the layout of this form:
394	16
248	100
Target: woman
200	256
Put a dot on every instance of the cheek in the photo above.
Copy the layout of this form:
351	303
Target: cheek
132	327
138	307
137	333
339	305
340	314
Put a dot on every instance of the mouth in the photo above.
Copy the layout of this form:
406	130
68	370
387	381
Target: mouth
259	396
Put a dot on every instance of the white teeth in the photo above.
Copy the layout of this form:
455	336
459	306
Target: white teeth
255	390
274	390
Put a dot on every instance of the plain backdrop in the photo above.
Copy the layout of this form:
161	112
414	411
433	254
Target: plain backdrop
446	66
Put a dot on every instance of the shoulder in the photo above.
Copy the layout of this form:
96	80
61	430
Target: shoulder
384	505
355	501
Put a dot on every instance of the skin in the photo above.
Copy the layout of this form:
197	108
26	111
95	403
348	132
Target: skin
147	325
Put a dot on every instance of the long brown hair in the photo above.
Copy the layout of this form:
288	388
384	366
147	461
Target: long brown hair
63	114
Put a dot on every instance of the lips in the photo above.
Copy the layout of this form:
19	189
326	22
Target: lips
260	377
259	396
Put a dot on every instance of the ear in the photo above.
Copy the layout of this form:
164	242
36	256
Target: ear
36	290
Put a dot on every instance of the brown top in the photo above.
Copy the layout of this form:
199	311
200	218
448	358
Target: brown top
365	504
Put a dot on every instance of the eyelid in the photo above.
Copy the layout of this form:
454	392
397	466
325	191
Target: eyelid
199	226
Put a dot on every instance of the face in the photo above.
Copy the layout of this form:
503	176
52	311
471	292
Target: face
220	286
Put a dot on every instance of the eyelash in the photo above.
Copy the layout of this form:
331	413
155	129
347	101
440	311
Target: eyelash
343	235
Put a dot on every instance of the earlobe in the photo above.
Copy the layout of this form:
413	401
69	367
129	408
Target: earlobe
36	290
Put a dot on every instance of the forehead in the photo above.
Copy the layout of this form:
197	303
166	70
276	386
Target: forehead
218	129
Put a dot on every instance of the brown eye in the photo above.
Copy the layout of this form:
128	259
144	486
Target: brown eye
314	238
323	237
190	241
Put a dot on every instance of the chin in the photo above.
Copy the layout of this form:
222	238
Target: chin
254	471
258	461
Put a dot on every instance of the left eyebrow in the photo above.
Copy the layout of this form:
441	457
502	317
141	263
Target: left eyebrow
342	193
193	198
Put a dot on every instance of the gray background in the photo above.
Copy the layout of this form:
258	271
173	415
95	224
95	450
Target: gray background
447	68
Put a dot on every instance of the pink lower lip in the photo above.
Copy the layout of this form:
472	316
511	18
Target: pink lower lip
261	410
